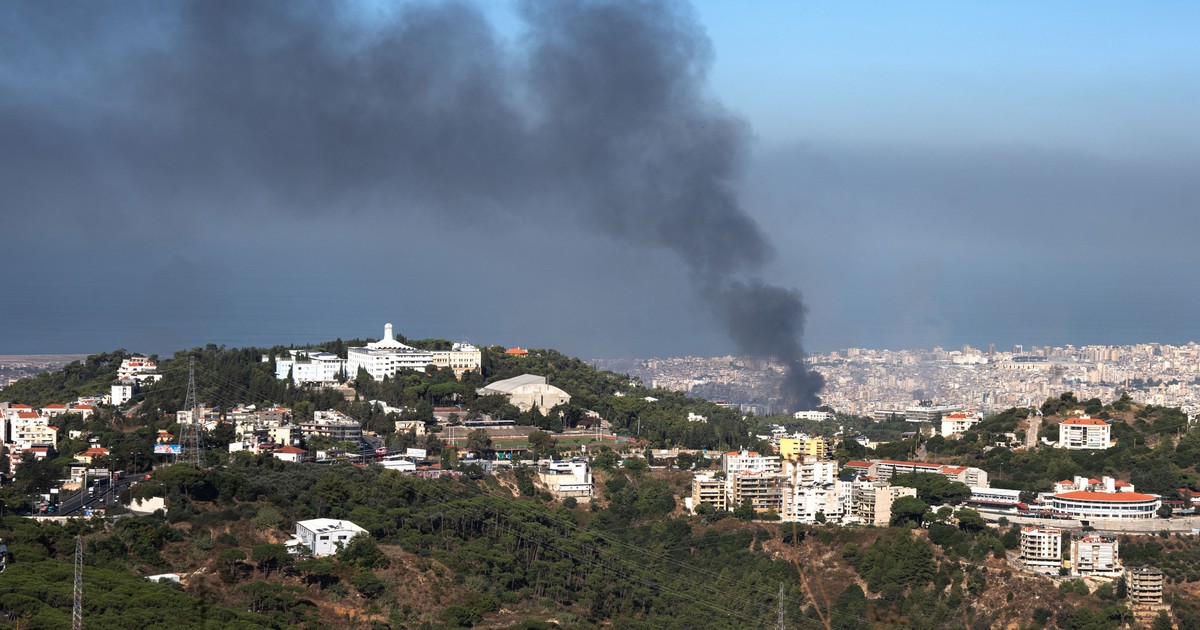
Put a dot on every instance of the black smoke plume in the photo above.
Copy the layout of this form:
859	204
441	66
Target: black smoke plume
597	110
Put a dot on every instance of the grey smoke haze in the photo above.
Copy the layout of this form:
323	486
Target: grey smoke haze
129	113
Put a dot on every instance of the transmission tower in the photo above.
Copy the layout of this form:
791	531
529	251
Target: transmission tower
77	611
189	441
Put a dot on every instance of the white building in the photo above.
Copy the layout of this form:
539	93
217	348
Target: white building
735	462
332	424
290	454
959	422
311	366
386	357
123	391
323	536
1086	505
567	478
1084	433
816	416
135	367
527	391
462	358
1095	554
1041	548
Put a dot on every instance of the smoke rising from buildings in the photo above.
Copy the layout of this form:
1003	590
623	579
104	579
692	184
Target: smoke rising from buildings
596	112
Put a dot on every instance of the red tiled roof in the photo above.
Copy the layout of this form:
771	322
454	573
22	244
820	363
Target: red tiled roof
858	463
917	464
1118	497
290	450
516	351
28	415
1088	421
19	406
55	406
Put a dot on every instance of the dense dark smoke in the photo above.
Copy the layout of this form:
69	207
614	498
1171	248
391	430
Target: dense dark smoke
597	110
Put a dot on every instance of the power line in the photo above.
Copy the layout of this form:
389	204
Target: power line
77	610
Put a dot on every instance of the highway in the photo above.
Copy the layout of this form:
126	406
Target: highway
75	504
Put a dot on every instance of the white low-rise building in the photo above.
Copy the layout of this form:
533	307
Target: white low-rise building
959	422
815	416
567	478
311	366
323	536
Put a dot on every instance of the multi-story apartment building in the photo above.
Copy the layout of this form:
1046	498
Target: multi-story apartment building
872	502
1041	548
1095	554
802	447
1084	433
764	490
1145	585
332	424
884	469
710	490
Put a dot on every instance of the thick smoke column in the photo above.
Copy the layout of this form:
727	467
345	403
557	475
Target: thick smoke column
597	110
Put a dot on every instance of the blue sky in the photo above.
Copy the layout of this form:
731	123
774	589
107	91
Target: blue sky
925	174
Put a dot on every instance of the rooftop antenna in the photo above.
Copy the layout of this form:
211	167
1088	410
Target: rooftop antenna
77	610
189	442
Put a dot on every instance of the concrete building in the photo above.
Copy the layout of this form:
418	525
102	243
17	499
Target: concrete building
323	536
1145	585
749	461
123	391
1086	505
311	367
135	367
764	490
928	412
872	502
1041	549
802	447
959	422
815	416
527	391
290	454
567	478
462	358
710	490
1095	554
1084	433
386	357
884	469
332	424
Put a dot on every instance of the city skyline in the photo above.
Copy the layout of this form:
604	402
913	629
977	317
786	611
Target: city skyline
930	175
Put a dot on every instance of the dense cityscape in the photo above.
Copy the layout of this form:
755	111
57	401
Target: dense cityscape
863	381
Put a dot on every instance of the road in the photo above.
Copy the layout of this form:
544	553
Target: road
75	504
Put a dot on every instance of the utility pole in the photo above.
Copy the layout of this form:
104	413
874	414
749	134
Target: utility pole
780	625
77	611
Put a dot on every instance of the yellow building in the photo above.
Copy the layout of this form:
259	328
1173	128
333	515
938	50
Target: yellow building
799	448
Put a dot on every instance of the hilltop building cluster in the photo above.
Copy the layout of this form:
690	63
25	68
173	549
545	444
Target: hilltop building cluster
381	359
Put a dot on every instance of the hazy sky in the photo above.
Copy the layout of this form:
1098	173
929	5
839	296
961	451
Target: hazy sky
924	173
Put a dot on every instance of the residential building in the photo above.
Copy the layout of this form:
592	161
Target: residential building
1095	554
710	490
872	501
323	536
735	462
290	454
802	447
1084	433
884	469
386	357
1145	585
764	490
567	478
1041	549
959	422
135	367
527	391
123	391
332	424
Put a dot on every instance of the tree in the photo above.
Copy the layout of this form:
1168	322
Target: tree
1162	621
970	521
368	584
745	511
479	442
541	442
270	557
908	510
